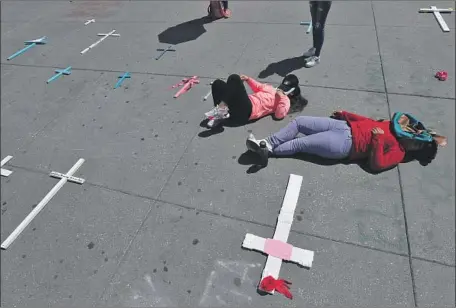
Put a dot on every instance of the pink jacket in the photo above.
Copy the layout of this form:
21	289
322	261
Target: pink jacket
265	100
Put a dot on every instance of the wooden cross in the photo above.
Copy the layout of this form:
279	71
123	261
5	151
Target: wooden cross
4	161
27	220
438	16
307	23
105	36
89	22
164	51
122	78
29	44
277	248
59	73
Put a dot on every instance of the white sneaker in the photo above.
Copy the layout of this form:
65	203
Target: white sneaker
309	53
216	111
254	145
217	120
312	61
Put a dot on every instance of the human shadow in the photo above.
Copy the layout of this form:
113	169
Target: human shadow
252	159
184	32
282	68
220	128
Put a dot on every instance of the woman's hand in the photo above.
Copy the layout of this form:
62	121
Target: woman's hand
336	114
244	77
377	131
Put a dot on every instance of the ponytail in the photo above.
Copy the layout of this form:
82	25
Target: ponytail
297	101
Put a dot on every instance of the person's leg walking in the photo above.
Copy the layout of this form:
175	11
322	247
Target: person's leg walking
226	10
334	144
318	28
319	12
305	125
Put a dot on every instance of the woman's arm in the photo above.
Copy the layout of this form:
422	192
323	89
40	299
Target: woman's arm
282	106
253	84
384	153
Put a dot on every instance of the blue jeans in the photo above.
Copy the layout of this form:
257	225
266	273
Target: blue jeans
325	137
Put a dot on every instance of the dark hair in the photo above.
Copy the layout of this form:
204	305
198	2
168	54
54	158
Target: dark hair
425	155
297	101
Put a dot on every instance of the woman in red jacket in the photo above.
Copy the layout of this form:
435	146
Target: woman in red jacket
348	135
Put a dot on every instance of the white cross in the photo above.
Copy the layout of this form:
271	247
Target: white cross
46	199
438	16
4	161
105	36
89	21
277	248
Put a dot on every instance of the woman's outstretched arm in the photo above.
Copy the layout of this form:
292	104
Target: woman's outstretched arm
253	84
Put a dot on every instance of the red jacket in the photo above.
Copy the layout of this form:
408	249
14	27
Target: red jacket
383	150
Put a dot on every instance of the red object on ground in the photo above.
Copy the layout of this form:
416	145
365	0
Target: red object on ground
187	84
270	284
442	75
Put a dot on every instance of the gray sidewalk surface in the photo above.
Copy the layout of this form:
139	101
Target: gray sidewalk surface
166	205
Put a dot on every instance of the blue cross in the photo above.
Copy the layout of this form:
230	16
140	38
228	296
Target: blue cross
40	41
122	78
66	71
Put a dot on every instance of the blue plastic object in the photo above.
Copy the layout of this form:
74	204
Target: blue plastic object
40	41
66	71
122	78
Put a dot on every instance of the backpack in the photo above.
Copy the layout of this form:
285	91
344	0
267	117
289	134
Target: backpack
425	136
215	9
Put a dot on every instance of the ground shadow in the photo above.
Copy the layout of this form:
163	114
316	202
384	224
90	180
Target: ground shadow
252	159
282	68
220	128
184	32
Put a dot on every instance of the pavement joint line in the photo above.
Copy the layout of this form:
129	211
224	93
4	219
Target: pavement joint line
409	249
213	77
238	219
272	23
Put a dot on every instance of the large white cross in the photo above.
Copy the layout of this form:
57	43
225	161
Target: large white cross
64	178
4	161
277	248
105	36
438	16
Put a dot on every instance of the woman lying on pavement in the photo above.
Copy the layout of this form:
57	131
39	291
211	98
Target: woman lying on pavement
350	136
232	101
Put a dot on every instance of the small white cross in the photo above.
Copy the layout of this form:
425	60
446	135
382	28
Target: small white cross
438	16
277	248
89	21
4	161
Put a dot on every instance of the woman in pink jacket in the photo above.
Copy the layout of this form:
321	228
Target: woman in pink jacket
232	101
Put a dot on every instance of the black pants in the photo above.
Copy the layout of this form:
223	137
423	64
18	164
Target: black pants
319	11
225	4
233	93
